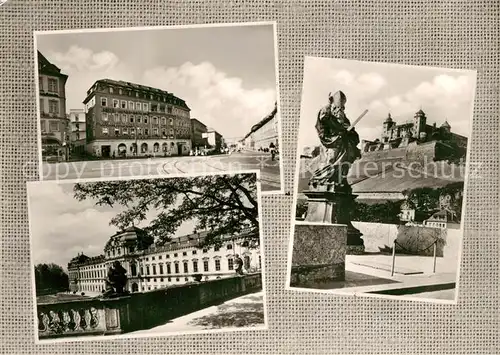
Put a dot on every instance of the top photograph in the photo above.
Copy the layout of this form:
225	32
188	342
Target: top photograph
182	100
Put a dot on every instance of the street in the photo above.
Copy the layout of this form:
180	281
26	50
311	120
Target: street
270	170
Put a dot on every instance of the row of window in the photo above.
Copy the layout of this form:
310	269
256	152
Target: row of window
140	131
141	106
140	94
152	270
124	118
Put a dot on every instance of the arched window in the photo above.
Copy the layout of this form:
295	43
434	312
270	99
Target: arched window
133	270
144	148
156	147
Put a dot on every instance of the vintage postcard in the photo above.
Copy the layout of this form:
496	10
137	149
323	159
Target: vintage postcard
159	101
146	257
381	176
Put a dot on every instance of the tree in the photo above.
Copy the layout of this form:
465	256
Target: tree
425	199
219	204
387	212
50	278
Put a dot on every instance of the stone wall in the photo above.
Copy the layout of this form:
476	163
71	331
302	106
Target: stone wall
379	235
138	311
318	254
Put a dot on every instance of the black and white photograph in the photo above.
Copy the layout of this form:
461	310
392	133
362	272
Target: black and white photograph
159	101
380	180
146	257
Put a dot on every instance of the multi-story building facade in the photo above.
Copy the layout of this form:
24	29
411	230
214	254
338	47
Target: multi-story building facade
174	263
125	119
54	123
198	134
265	133
214	139
77	131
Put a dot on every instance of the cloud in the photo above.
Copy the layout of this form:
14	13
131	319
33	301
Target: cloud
443	89
84	67
365	84
61	226
216	99
83	59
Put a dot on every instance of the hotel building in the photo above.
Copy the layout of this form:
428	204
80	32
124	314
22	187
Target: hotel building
174	263
125	119
53	120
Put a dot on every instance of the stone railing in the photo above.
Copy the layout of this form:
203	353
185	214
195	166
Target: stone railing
137	311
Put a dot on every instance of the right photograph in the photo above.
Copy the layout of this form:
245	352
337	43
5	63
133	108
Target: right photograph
381	176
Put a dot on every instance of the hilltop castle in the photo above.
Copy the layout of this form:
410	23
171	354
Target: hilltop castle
399	136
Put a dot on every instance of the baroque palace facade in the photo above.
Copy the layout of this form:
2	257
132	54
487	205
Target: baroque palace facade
153	267
125	119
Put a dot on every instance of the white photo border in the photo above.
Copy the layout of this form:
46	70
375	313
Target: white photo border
346	292
279	191
131	335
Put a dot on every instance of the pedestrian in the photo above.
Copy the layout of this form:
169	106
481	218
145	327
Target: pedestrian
273	150
239	264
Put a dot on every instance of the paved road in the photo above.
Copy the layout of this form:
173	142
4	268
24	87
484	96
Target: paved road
270	170
242	312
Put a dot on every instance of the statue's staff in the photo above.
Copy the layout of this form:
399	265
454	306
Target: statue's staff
357	120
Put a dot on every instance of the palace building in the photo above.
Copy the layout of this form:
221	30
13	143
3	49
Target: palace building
150	267
125	119
53	121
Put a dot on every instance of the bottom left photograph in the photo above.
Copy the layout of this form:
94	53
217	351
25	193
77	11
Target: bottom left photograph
146	256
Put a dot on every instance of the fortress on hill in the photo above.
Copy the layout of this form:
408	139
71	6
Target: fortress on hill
417	131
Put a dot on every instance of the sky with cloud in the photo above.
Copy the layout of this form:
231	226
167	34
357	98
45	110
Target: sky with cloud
62	227
225	74
442	94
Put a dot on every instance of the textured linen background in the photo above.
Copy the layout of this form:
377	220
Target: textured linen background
453	34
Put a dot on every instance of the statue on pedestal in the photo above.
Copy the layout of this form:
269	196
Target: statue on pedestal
330	198
338	148
116	280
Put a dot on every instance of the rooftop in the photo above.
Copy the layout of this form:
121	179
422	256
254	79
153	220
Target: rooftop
138	87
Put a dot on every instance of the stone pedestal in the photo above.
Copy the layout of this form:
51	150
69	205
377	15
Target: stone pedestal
335	207
318	254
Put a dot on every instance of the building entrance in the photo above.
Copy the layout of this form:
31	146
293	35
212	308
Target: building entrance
106	151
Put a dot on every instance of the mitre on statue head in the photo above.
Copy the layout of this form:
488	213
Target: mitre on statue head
338	98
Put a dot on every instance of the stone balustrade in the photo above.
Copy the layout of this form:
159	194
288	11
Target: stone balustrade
137	311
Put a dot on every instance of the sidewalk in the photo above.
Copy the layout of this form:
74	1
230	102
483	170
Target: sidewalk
413	274
242	312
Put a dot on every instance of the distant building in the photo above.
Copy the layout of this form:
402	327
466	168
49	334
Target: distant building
77	131
198	134
407	212
443	219
264	133
400	135
214	139
54	125
160	266
126	119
